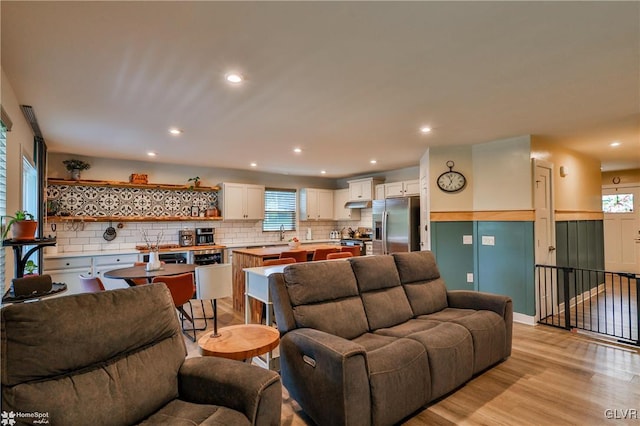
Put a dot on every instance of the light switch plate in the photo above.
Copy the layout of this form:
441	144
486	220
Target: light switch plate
467	239
488	240
469	277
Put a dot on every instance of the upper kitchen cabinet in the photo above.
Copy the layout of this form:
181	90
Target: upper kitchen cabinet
242	201
362	189
402	189
316	204
340	197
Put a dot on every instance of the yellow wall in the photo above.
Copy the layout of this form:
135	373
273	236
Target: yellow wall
581	189
626	176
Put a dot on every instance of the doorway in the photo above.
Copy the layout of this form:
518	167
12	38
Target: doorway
544	235
621	208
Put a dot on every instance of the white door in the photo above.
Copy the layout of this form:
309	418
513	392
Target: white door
621	207
544	234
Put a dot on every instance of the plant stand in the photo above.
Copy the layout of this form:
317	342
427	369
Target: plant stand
20	259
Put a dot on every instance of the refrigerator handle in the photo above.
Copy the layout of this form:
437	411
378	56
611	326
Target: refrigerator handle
385	215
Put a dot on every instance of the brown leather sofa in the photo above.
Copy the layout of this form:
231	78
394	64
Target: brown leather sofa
118	358
370	340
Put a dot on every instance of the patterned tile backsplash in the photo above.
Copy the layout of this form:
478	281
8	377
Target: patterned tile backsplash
80	200
134	202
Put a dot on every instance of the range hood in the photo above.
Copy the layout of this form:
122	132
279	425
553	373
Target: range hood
359	204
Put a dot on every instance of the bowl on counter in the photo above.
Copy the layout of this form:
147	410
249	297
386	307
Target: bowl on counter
294	244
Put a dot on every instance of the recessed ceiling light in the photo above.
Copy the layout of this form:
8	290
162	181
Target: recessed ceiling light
175	131
151	154
425	129
297	150
373	161
253	164
234	78
323	172
614	144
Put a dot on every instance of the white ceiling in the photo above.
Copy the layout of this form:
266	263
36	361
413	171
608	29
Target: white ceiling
345	81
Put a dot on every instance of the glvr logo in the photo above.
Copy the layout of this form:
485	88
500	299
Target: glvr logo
8	419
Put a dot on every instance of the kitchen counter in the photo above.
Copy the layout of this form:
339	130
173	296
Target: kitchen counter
274	252
184	248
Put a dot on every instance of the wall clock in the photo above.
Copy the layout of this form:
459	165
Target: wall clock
451	181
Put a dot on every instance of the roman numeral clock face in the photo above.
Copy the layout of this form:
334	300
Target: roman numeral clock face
451	181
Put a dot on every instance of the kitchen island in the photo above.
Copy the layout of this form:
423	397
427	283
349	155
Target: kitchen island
253	257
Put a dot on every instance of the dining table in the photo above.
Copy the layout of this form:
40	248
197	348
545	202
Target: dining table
137	272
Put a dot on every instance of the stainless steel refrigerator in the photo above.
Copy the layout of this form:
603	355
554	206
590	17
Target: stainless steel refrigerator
396	225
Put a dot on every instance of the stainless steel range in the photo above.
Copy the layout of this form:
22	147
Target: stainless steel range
360	242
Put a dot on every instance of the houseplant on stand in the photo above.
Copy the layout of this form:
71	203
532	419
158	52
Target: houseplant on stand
75	166
22	226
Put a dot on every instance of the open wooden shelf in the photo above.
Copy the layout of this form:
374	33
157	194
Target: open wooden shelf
129	218
54	181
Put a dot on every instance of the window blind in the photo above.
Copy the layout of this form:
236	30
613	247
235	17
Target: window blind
279	209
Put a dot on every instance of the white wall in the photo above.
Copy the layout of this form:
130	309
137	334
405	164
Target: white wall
502	175
19	140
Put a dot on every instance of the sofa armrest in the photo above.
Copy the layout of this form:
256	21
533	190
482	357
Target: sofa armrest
465	299
502	305
326	374
251	390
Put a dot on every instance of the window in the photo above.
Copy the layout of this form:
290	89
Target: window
29	187
618	203
279	210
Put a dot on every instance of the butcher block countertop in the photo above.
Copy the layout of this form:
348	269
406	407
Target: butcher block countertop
270	252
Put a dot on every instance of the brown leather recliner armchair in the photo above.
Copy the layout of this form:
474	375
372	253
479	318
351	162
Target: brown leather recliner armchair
118	358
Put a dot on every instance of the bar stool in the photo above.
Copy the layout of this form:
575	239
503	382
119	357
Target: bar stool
298	255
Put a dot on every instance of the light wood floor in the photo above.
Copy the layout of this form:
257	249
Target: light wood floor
553	377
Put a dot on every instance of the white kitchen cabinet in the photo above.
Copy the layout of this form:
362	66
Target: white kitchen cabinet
101	264
362	189
402	189
316	204
68	269
340	197
242	201
380	192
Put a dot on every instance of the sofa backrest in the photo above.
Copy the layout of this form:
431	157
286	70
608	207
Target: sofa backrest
422	283
383	297
102	358
321	295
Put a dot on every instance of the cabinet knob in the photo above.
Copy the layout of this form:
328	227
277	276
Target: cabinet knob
67	264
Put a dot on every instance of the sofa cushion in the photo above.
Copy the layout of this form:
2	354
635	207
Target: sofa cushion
407	328
489	337
371	341
420	277
400	380
182	413
448	314
383	297
324	296
450	350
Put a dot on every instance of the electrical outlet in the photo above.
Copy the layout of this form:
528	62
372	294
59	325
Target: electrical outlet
488	240
467	239
469	277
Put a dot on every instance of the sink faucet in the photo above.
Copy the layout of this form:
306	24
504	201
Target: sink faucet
281	232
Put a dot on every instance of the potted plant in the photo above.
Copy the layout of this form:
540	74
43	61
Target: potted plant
30	268
75	166
22	225
196	182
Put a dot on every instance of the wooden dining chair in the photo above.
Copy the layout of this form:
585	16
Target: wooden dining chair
182	288
91	284
281	261
298	255
354	250
321	253
339	255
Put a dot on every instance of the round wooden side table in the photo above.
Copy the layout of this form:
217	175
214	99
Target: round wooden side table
240	342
